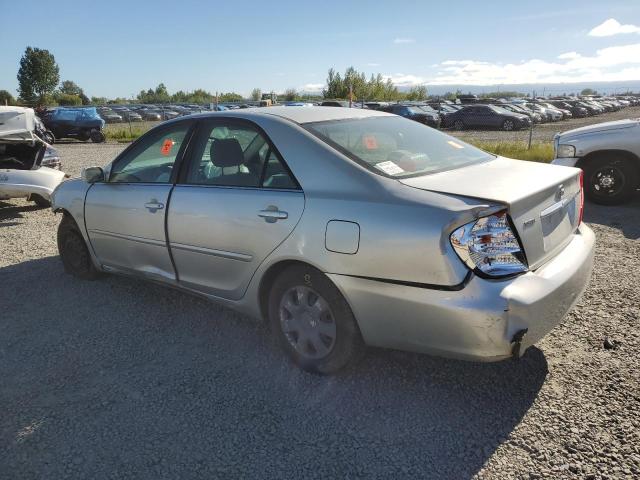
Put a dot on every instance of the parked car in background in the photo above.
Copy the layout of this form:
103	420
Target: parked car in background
360	228
487	116
609	154
576	110
29	167
148	114
417	113
533	116
334	103
130	116
82	123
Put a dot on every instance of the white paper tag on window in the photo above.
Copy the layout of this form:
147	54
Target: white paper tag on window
389	168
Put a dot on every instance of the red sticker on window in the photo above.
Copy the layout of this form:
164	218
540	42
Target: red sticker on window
370	142
167	146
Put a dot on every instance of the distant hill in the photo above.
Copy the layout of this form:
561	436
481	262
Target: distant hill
539	89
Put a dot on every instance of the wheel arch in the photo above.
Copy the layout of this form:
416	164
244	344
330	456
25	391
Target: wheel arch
269	276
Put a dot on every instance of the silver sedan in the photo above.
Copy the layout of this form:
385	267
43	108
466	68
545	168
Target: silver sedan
342	228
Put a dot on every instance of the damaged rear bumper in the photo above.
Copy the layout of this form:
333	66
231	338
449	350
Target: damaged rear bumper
482	321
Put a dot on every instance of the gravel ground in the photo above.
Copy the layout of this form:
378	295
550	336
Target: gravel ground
545	132
121	379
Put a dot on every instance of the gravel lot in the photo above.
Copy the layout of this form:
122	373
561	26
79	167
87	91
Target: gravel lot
122	379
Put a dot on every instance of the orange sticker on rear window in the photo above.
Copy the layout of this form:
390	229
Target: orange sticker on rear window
167	146
370	142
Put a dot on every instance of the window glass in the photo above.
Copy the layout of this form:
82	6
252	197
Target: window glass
152	160
396	146
236	155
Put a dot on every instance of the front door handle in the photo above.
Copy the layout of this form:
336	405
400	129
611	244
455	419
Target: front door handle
271	214
153	206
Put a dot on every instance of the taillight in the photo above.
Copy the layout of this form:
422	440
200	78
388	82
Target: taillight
581	211
489	246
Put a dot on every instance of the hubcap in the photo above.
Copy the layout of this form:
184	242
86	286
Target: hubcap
508	125
607	181
307	322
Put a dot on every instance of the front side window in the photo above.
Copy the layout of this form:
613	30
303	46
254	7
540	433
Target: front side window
151	160
397	147
236	155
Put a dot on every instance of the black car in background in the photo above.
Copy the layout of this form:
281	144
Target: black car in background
335	103
576	110
419	113
487	116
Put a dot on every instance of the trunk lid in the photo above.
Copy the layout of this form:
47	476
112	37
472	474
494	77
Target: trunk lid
543	200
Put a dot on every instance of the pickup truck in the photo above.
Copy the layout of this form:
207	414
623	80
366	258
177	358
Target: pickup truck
609	155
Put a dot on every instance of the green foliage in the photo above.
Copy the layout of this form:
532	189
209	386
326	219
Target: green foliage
70	87
290	94
501	94
539	152
161	95
99	100
256	94
65	99
38	75
376	88
6	98
230	97
123	133
588	91
417	93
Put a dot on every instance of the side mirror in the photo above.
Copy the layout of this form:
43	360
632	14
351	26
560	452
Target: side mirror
92	174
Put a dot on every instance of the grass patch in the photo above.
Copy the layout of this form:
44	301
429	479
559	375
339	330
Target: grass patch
122	133
539	152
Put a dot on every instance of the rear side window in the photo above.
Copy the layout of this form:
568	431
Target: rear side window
236	155
397	147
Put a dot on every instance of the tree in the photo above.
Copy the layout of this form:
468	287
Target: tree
65	99
99	100
6	98
588	91
256	94
418	92
230	97
70	87
38	75
290	94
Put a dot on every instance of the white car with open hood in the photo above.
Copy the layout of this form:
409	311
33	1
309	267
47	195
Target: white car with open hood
29	167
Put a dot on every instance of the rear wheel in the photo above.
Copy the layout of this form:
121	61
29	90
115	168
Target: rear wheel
610	179
97	136
458	125
508	125
313	322
74	252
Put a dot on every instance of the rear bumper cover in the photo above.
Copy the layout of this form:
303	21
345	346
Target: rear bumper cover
479	321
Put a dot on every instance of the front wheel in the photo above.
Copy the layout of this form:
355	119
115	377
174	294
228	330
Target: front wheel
610	180
74	252
508	125
40	201
313	322
458	125
48	137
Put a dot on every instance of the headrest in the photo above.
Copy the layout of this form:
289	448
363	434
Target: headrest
226	152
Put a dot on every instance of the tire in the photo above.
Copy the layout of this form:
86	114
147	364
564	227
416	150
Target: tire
313	322
74	252
610	179
458	125
97	136
40	201
508	125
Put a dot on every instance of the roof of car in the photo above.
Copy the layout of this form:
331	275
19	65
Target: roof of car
304	114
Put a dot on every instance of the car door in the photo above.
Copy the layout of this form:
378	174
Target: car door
236	201
125	215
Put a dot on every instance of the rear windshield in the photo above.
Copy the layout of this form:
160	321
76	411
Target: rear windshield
397	147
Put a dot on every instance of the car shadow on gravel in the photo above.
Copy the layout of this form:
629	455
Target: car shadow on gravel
118	378
625	217
10	211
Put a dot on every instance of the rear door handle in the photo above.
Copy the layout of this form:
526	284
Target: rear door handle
154	206
271	214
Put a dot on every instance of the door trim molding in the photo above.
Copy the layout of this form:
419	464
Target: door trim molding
243	257
148	241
